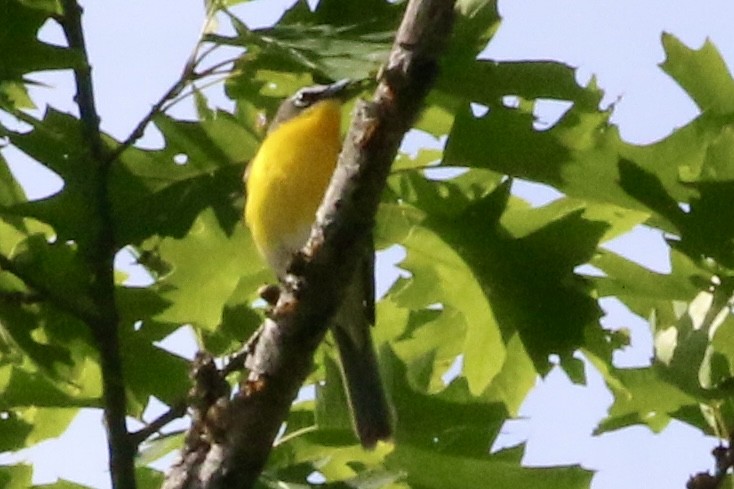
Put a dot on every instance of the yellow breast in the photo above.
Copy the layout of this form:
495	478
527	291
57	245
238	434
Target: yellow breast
287	180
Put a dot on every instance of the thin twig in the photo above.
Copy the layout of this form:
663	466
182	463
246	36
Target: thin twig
724	462
214	70
99	253
178	410
170	97
139	129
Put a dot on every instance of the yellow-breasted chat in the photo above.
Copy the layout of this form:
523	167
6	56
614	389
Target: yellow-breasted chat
285	185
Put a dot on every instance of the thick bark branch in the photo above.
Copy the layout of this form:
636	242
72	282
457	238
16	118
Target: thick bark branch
281	356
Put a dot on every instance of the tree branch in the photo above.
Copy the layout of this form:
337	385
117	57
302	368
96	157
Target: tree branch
724	458
100	255
178	410
282	354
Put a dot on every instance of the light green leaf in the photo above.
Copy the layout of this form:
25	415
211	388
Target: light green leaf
47	422
434	340
647	399
441	275
159	447
62	484
15	476
148	478
517	377
702	73
207	267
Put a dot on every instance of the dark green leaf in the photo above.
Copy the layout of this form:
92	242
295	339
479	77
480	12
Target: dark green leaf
21	50
162	192
431	469
57	143
14	431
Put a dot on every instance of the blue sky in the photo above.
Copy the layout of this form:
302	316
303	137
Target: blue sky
138	48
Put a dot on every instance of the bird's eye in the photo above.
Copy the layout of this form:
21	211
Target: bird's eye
302	99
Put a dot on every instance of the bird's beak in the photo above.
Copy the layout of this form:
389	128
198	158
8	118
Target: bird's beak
337	89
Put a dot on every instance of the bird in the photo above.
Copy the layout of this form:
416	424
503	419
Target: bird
285	183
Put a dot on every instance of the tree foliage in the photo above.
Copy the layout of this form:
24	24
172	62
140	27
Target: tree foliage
492	290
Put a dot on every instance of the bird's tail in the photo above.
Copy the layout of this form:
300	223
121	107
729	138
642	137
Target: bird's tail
371	412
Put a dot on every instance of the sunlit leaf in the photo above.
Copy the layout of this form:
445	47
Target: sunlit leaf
16	476
702	73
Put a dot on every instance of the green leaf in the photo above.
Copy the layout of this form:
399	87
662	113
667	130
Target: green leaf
452	421
691	363
56	142
331	413
203	111
517	377
22	51
442	276
646	399
295	460
14	432
646	187
14	96
625	278
162	192
198	294
61	484
702	73
162	374
148	478
14	229
58	267
487	82
706	231
10	190
723	339
22	388
47	422
718	165
53	341
580	153
15	476
158	447
334	41
48	6
476	24
434	340
709	226
431	469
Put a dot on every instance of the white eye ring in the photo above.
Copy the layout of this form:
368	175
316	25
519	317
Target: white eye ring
301	100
